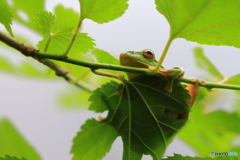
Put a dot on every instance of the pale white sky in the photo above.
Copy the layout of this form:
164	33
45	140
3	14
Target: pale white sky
31	103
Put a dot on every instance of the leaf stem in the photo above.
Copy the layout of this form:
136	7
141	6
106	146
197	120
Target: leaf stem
47	44
73	37
164	53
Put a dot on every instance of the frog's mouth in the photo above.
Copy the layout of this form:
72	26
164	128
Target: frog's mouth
131	62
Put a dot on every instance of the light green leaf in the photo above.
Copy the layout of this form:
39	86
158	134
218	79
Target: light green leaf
32	69
43	21
180	157
233	80
11	158
70	98
93	141
6	16
28	8
66	17
207	129
6	65
105	57
102	11
211	22
12	142
205	64
142	114
60	40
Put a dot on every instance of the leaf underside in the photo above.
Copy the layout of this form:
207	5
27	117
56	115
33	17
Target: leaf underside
139	114
210	22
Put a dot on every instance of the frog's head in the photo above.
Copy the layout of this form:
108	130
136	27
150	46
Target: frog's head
142	59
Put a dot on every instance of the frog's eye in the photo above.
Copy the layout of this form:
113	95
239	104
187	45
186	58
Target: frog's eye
148	54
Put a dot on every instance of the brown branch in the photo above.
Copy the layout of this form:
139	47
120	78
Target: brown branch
28	50
25	49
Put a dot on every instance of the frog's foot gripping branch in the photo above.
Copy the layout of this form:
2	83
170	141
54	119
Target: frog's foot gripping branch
170	75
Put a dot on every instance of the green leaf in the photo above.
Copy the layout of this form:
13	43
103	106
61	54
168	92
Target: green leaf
70	98
205	64
18	6
217	130
99	95
43	21
60	40
6	65
93	141
7	157
102	11
180	157
65	17
233	80
105	57
6	16
12	143
28	68
141	114
214	22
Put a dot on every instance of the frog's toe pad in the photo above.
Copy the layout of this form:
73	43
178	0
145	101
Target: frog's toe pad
198	81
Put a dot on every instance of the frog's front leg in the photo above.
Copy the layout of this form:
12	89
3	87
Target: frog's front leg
171	75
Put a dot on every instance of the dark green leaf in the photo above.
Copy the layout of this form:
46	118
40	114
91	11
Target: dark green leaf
102	11
141	114
93	141
12	143
11	158
60	40
211	22
99	95
205	64
43	21
6	16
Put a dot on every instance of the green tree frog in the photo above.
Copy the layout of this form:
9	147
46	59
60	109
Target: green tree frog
146	59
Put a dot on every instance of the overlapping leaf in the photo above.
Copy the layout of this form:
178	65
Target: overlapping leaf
93	141
57	40
102	11
139	114
43	22
12	143
211	22
61	39
6	15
